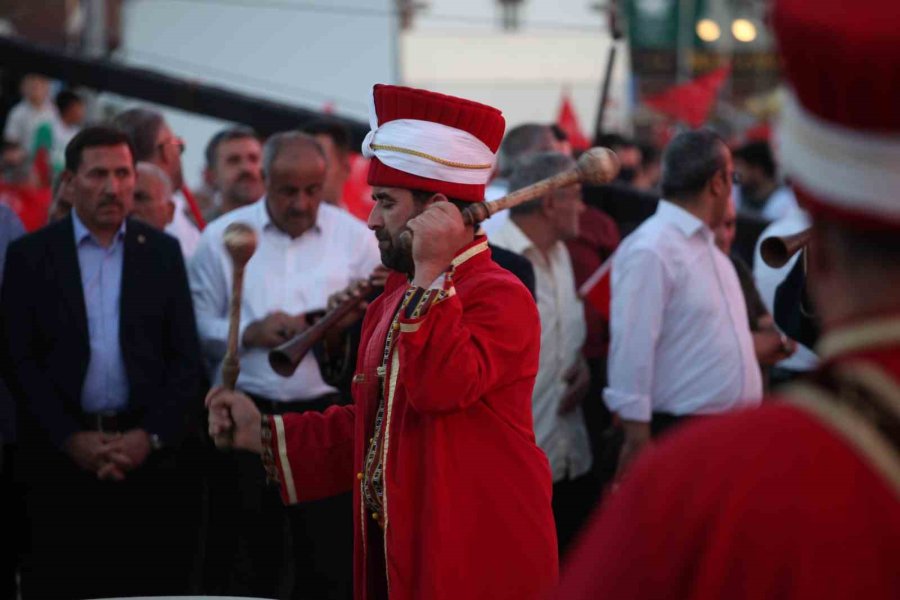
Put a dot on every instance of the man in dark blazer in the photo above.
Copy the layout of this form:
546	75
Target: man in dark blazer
104	364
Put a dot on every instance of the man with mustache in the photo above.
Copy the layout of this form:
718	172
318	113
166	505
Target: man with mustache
104	365
233	169
307	250
451	492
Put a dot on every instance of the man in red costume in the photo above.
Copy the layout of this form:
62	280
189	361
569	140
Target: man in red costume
452	495
800	498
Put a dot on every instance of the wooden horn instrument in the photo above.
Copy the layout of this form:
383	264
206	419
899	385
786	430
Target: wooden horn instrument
776	251
596	166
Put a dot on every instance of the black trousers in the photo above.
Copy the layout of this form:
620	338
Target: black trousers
92	539
256	546
573	501
12	524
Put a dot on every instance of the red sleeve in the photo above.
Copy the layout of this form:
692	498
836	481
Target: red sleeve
311	454
766	504
452	353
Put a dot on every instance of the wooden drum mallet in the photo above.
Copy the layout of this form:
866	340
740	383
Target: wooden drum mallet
240	242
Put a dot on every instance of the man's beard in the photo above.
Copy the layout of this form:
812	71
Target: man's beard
393	256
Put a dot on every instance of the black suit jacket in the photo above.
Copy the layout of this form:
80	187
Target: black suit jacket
516	264
46	333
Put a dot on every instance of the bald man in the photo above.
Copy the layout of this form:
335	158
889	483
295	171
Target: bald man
153	196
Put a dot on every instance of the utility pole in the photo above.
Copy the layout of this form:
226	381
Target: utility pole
95	43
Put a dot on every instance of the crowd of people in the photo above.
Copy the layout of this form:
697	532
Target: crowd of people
452	434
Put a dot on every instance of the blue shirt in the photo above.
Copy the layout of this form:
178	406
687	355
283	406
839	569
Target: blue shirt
105	386
10	229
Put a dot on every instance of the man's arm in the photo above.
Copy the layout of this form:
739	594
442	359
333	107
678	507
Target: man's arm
310	455
28	380
209	285
184	372
639	292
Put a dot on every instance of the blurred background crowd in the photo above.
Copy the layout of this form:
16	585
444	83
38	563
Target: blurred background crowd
232	110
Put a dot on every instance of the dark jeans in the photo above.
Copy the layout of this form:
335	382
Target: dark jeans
91	539
258	547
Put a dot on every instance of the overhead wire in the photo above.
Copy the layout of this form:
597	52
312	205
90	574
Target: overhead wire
357	11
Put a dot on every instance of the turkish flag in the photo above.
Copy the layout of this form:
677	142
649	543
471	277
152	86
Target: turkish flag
567	120
691	102
357	194
29	203
596	290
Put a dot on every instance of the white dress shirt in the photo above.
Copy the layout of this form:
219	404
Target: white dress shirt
291	275
494	190
681	343
768	280
182	228
563	438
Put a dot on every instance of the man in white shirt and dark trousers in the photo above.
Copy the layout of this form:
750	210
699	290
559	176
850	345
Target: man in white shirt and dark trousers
307	250
538	230
681	345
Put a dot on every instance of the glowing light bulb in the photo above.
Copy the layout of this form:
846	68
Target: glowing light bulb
743	30
708	30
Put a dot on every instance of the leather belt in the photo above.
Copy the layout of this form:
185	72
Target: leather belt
109	422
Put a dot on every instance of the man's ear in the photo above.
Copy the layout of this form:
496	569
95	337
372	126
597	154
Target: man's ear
717	184
436	197
66	176
548	204
821	257
344	163
209	177
170	211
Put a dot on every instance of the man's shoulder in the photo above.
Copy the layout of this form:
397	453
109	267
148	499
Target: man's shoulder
47	236
246	214
764	459
487	281
154	238
342	220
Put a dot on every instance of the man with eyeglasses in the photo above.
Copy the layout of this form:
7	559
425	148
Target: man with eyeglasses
155	143
681	345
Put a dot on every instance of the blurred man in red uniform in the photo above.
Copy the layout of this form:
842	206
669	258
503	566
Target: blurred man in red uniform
800	498
452	494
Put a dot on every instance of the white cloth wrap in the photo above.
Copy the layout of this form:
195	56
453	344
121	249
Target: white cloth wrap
434	139
858	171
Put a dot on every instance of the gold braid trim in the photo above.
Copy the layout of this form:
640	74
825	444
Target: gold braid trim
438	160
844	419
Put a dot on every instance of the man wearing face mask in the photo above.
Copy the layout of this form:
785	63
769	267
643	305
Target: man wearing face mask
759	191
451	492
307	250
629	155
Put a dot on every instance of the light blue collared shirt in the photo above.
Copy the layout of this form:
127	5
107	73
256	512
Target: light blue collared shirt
105	386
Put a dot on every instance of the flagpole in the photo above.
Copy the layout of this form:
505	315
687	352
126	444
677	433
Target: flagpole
616	33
